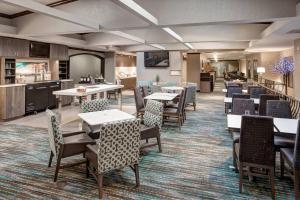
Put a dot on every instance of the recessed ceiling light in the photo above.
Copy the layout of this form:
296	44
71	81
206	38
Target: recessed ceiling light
138	9
173	34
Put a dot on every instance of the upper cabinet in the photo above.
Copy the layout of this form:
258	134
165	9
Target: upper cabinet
59	52
11	47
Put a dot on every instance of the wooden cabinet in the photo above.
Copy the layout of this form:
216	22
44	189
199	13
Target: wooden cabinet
64	69
59	52
12	101
11	47
67	84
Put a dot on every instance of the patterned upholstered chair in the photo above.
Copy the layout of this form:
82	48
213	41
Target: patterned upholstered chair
256	91
117	147
64	145
139	102
292	157
256	149
93	106
240	96
191	96
153	119
263	99
240	106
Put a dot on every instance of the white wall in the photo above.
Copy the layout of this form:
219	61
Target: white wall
84	65
144	73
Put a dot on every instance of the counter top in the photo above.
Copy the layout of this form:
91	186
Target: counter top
12	85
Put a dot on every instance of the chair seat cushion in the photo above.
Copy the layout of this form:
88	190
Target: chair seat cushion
76	144
283	142
288	153
236	137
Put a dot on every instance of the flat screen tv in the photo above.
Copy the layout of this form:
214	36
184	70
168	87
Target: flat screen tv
156	59
39	50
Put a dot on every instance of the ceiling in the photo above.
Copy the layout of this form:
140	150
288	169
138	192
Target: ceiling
232	26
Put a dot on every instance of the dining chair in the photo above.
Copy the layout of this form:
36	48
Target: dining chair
255	152
176	112
93	106
279	109
241	106
64	145
139	102
263	98
117	147
255	91
152	123
145	91
291	156
191	96
233	90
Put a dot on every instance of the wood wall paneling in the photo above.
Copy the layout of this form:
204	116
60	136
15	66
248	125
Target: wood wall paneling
59	52
12	47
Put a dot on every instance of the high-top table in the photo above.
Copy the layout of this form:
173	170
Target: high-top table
281	124
90	90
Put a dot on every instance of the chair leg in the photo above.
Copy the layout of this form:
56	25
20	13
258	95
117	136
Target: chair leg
241	178
50	159
234	158
271	177
296	183
137	175
87	167
281	166
57	167
194	104
159	144
100	185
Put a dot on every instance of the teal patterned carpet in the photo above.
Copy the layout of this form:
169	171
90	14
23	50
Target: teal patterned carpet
195	164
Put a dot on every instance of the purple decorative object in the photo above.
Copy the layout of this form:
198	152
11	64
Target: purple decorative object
284	66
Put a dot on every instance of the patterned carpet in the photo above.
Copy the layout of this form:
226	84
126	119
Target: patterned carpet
194	165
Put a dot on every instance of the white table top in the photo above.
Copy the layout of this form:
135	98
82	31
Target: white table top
284	125
161	96
93	89
105	116
225	91
172	88
229	100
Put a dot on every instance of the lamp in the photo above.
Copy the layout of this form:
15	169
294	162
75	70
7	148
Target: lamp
260	71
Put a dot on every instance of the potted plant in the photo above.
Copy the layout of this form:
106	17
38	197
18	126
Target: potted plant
284	66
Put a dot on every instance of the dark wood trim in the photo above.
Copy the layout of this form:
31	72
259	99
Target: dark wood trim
88	50
27	12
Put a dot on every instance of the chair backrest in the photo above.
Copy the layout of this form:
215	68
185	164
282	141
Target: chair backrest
240	96
55	134
145	90
181	103
279	109
256	91
149	84
233	90
190	94
138	97
240	106
118	145
94	105
262	108
153	113
296	158
257	140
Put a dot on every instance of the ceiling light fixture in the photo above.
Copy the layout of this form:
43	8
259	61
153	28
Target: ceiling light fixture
173	34
158	46
189	45
138	9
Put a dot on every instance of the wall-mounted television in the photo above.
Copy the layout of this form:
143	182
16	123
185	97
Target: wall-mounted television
156	59
39	50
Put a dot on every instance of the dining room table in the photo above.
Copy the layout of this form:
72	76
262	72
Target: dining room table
162	96
282	125
228	100
172	89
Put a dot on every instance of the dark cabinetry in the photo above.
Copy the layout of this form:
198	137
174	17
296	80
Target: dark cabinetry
38	96
9	71
64	70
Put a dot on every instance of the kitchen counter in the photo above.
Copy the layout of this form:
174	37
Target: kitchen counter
11	85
